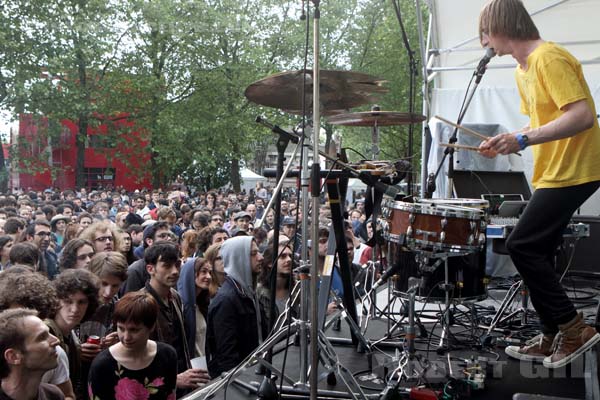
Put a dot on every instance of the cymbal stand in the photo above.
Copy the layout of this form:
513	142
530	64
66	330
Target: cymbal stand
353	326
447	287
408	360
367	301
282	332
316	185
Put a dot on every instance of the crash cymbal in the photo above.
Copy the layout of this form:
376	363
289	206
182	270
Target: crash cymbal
340	90
376	118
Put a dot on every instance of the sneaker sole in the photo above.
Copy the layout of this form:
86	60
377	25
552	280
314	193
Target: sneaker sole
513	351
567	360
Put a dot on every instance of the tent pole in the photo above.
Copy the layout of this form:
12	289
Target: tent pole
425	91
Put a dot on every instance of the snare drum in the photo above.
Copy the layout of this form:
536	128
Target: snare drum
451	225
466	274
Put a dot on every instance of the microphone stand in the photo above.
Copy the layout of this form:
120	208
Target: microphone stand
316	186
449	151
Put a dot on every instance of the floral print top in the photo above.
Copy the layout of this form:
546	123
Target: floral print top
110	380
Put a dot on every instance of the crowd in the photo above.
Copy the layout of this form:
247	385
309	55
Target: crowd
116	295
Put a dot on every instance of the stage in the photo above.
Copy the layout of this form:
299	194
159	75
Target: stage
457	372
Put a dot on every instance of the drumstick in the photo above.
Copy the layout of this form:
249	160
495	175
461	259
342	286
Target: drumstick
463	128
460	146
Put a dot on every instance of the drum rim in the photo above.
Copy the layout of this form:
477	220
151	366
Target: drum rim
470	213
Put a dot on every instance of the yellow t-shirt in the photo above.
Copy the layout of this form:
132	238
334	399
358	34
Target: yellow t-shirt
554	79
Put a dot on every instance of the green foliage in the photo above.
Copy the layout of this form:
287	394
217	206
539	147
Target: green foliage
178	69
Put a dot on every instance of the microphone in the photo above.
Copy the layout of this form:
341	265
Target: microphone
389	190
276	129
481	67
386	275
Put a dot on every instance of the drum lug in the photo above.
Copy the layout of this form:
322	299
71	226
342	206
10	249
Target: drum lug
386	229
473	226
442	236
482	238
470	240
483	225
409	231
411	218
444	223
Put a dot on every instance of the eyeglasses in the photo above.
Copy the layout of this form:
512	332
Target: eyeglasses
83	257
44	234
104	239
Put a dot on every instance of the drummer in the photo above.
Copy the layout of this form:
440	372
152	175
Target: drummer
565	139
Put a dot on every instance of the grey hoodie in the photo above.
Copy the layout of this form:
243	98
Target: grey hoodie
236	259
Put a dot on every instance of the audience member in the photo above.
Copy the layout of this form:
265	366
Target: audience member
76	254
135	364
163	264
234	315
28	350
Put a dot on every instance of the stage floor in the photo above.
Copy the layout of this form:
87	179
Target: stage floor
504	376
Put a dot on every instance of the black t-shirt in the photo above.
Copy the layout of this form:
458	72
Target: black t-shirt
110	380
45	392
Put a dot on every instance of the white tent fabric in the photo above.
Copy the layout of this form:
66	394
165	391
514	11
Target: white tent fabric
455	51
250	178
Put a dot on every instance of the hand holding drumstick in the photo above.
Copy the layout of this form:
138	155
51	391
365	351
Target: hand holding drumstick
504	143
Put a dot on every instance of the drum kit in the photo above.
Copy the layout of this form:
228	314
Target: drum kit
432	229
422	237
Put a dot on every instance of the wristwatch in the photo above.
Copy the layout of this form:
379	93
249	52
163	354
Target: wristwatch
523	140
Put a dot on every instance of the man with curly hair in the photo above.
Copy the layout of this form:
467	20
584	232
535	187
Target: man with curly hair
29	290
77	292
19	288
103	236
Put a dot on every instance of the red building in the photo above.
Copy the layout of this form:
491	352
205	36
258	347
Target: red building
115	155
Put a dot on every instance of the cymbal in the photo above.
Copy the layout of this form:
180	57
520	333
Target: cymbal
376	118
340	90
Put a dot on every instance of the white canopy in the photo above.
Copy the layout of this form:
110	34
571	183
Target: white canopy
250	178
453	51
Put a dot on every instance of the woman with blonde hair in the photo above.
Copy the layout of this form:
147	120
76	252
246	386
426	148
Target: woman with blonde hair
213	256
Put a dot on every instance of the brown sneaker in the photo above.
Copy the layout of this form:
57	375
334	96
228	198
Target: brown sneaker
575	339
535	349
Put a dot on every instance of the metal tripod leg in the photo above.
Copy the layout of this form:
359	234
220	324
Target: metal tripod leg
499	317
445	318
363	342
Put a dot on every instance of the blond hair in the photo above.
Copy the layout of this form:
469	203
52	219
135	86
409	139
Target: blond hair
508	18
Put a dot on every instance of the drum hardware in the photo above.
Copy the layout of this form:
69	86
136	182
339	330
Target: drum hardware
499	318
436	232
376	118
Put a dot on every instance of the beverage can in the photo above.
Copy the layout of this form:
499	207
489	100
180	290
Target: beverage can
93	339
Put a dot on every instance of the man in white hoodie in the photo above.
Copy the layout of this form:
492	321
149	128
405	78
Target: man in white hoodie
234	317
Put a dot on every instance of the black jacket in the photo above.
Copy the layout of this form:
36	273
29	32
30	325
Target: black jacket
232	332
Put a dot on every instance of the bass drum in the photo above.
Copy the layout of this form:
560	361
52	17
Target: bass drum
466	273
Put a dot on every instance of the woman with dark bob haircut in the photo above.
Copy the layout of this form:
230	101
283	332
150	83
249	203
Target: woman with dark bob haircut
135	364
